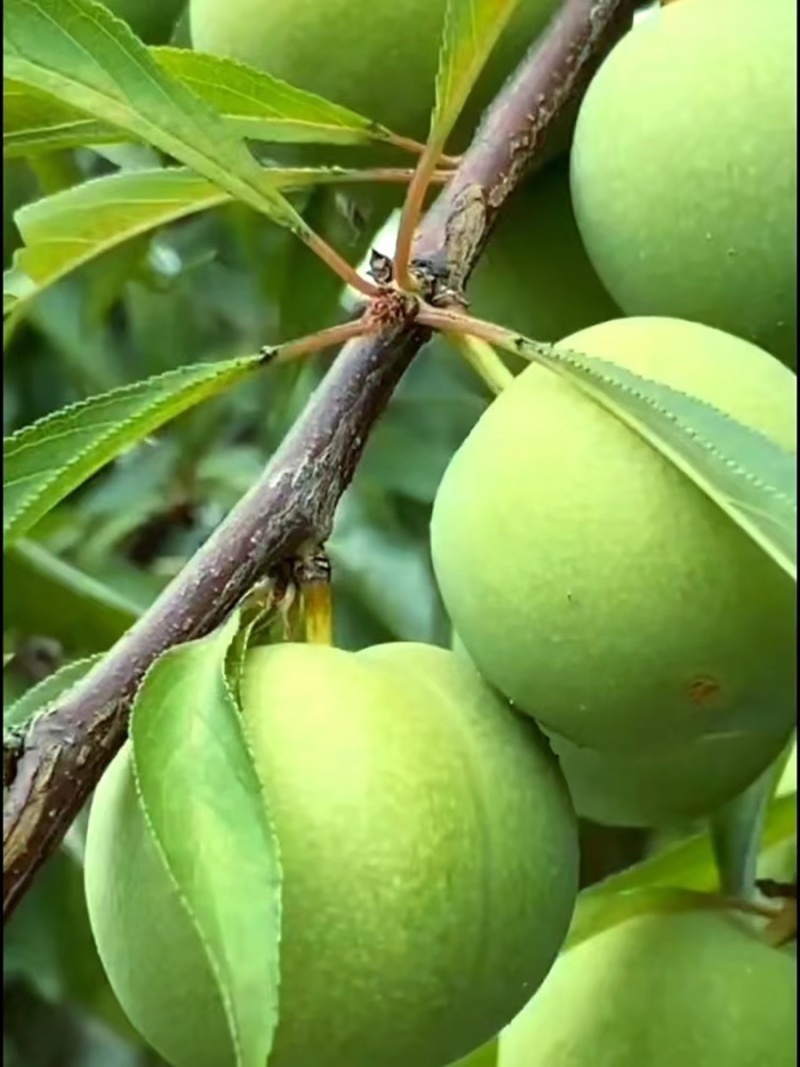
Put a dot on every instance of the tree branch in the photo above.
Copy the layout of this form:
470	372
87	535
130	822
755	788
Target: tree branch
292	506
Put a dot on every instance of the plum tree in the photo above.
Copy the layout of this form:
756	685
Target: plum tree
590	581
684	168
535	276
152	20
693	988
379	59
429	856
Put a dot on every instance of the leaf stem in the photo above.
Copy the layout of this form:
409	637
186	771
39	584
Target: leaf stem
316	342
411	214
408	144
446	320
338	265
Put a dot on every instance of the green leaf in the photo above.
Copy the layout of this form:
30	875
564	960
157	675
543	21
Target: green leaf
471	30
753	480
485	1056
36	122
201	795
678	878
690	863
46	597
64	231
67	230
79	52
17	715
253	103
48	459
264	108
736	831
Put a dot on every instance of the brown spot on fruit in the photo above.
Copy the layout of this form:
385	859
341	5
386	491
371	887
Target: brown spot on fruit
702	691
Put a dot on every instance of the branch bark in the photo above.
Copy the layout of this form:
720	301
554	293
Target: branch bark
293	504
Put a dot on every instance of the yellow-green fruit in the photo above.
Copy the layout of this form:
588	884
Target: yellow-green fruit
590	581
682	990
429	857
684	168
668	784
535	276
378	58
151	20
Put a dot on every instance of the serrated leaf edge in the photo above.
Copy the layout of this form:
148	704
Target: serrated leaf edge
13	524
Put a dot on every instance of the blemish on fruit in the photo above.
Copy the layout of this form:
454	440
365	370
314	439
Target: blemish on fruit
704	690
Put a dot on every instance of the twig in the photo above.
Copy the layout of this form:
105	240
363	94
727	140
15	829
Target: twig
291	507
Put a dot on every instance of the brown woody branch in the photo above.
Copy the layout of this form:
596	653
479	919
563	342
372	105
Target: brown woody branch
293	504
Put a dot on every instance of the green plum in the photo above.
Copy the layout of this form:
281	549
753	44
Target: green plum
429	855
684	172
591	582
695	988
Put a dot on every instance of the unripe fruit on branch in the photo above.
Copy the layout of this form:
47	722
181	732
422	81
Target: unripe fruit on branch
429	857
590	581
684	172
695	989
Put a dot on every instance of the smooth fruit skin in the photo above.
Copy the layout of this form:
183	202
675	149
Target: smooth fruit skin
664	786
535	276
379	59
590	581
695	989
151	20
668	785
684	173
429	854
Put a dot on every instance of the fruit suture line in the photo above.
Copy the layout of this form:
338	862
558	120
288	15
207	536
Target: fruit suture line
51	774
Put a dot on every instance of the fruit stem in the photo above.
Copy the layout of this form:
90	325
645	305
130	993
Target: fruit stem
312	572
483	359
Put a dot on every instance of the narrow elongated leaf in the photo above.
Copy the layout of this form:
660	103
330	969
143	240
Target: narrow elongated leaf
204	804
64	231
79	52
48	459
749	477
736	831
18	715
264	108
690	863
682	877
253	103
45	596
471	30
38	122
